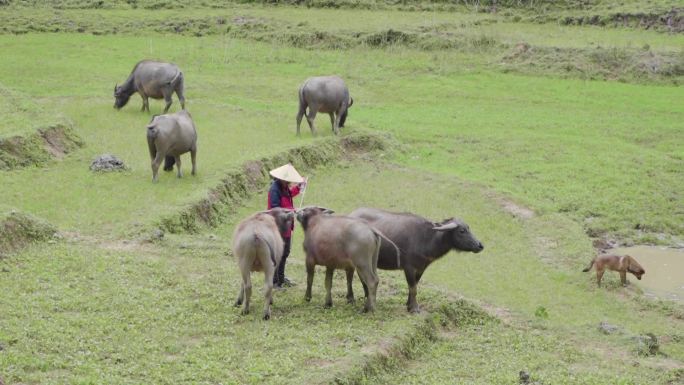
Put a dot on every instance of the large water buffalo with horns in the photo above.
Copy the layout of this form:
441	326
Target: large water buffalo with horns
169	136
339	242
258	246
154	80
326	94
420	241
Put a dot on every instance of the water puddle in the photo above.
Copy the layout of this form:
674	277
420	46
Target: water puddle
664	267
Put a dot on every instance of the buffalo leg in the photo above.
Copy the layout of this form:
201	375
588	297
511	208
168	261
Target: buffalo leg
179	174
310	268
241	295
168	100
623	278
313	109
363	283
300	114
332	121
179	93
411	304
246	287
193	159
328	286
336	124
169	161
371	280
350	290
145	105
269	269
156	162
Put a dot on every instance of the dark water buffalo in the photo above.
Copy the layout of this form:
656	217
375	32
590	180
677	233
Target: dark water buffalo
421	242
172	135
326	94
258	246
339	242
154	80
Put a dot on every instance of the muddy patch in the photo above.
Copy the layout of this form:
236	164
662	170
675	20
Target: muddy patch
664	267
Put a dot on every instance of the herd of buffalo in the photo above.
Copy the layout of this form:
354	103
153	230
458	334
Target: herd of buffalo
362	241
171	135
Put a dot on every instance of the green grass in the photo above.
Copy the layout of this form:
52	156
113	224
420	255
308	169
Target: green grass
589	157
462	120
114	312
22	116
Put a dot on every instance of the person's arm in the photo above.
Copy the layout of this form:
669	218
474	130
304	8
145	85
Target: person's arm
294	191
274	196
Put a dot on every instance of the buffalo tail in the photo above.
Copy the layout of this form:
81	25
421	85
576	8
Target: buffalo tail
591	264
383	236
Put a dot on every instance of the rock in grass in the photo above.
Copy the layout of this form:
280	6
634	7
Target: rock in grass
157	235
606	328
647	345
523	377
108	162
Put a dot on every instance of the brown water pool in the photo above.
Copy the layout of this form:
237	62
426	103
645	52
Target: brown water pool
664	267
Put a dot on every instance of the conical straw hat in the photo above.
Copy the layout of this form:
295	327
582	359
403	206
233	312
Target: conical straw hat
287	173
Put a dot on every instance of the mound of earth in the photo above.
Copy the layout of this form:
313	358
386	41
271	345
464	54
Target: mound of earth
108	162
19	229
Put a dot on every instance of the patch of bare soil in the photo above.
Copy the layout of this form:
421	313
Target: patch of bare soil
39	148
124	245
516	210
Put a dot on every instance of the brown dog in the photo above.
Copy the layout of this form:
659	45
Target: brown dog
621	263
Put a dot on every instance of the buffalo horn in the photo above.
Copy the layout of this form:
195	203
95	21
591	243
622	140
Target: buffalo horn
448	226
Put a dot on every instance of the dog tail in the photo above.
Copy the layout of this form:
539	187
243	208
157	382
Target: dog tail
591	264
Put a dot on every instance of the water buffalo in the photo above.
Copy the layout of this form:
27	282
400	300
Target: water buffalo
339	242
258	246
171	135
421	242
151	79
324	94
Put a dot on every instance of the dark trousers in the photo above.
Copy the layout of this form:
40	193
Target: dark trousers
279	276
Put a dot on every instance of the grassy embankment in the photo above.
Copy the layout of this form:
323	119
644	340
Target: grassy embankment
88	301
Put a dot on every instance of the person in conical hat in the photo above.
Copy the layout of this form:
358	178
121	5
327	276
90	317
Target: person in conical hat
287	183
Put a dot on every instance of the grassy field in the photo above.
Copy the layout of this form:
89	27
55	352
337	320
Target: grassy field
472	133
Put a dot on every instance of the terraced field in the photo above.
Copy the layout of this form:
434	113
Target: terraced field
545	136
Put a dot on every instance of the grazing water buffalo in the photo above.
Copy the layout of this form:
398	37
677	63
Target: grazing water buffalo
171	135
258	246
339	242
421	242
154	80
326	94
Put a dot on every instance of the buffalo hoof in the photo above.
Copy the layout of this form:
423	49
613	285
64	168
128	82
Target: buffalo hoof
267	316
244	311
307	299
237	303
367	309
327	305
414	309
351	300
